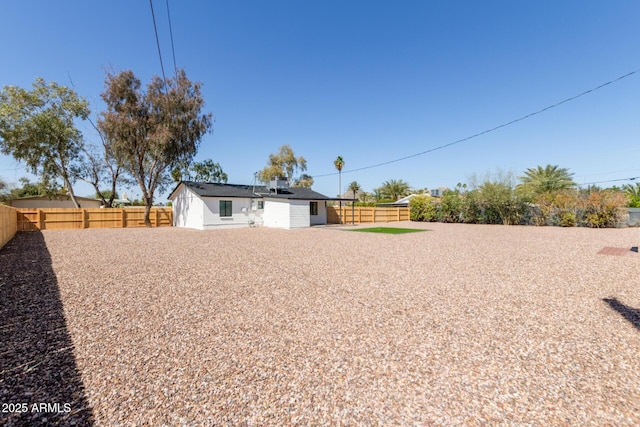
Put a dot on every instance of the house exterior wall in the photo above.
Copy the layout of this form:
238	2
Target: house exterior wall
188	209
290	214
238	218
321	218
299	214
202	212
257	214
276	213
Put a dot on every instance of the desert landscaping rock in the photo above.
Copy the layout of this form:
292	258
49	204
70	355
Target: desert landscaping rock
459	325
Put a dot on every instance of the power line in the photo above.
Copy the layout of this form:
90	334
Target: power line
155	28
173	51
486	131
633	178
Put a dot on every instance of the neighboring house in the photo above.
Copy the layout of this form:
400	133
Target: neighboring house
203	205
44	202
400	203
438	192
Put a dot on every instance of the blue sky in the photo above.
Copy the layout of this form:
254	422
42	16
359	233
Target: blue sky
370	81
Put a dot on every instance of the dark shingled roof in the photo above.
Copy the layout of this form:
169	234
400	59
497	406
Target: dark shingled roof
212	189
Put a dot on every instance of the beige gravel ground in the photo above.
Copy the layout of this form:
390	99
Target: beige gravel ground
459	325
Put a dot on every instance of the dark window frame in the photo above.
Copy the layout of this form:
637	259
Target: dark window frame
226	208
313	211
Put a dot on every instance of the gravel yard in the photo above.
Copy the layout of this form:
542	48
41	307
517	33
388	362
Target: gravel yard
459	325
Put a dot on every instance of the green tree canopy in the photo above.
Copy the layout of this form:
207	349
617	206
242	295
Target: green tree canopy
100	164
107	194
540	179
355	188
208	171
304	180
38	127
632	190
394	189
284	163
28	188
155	130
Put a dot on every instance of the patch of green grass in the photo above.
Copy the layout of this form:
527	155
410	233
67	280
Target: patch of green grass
387	230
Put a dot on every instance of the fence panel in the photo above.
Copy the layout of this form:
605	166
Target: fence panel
63	218
70	218
363	214
28	219
8	224
104	218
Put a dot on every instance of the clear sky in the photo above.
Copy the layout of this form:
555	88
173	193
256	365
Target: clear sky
370	81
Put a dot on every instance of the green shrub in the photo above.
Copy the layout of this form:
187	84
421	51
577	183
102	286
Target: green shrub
603	208
500	204
634	202
567	218
450	209
469	208
423	208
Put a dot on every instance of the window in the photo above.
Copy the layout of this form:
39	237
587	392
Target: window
314	208
225	208
260	204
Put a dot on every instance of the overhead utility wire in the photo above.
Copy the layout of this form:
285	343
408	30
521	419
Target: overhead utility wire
486	131
155	28
173	51
633	178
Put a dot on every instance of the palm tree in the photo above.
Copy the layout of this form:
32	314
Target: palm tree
632	190
339	164
377	194
550	178
395	189
355	187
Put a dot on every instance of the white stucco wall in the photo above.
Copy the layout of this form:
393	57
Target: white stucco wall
276	213
187	209
290	214
321	218
299	214
238	218
193	211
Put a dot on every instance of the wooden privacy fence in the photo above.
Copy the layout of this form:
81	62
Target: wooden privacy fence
70	218
361	214
8	224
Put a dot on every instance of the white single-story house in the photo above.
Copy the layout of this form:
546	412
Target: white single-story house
206	205
61	201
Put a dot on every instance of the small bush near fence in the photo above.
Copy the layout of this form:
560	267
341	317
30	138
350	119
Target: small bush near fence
499	204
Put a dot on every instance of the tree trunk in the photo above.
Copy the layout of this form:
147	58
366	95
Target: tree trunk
71	193
340	195
147	211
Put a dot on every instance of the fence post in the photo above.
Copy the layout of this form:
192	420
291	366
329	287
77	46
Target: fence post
123	218
157	218
40	219
85	219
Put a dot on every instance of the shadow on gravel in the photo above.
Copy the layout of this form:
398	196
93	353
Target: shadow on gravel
629	313
39	380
